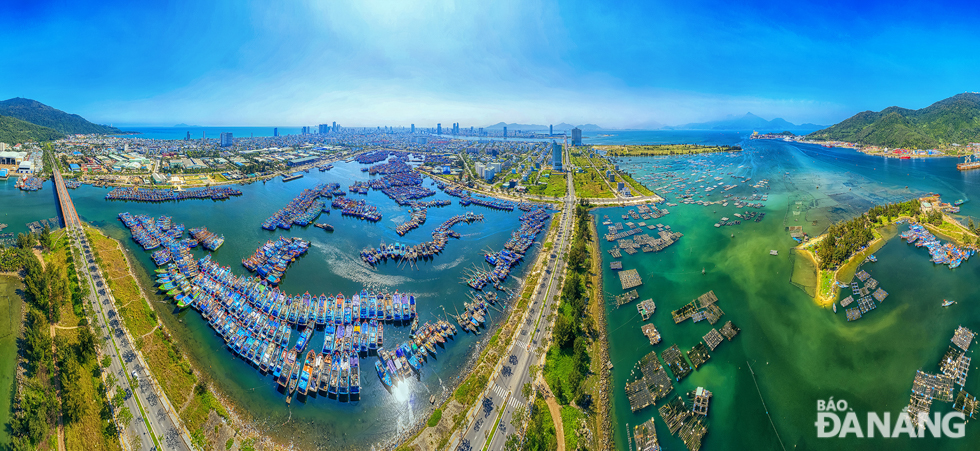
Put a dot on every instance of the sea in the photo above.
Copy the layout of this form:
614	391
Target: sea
766	382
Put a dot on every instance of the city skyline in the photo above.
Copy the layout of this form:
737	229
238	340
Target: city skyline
370	63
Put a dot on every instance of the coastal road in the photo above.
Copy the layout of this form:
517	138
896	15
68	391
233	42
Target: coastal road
149	415
505	398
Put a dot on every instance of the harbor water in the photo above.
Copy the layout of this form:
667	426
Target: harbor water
332	265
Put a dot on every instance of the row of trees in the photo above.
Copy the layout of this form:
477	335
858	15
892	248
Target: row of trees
848	237
573	326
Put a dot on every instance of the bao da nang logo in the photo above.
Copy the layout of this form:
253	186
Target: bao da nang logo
835	419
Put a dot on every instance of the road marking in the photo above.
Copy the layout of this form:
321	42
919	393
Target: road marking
515	403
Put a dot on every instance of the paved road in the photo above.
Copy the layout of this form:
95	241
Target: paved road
505	398
149	415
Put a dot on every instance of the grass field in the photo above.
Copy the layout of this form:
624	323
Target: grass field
555	186
590	184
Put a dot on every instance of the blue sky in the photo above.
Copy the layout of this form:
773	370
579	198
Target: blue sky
370	62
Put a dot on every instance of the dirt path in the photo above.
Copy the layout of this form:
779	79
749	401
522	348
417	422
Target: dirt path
555	410
57	384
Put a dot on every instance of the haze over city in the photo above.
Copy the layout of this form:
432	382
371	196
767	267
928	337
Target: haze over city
373	63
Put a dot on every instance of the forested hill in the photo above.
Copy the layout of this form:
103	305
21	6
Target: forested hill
40	114
953	120
14	131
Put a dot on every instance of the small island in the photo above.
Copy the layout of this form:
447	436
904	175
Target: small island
838	252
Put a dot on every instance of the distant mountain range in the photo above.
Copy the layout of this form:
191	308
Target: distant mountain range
15	131
747	122
948	121
38	113
562	127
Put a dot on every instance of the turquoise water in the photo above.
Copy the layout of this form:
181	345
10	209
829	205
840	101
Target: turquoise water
332	265
800	353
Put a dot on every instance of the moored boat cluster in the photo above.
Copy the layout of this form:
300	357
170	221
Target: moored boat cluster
942	254
257	323
272	259
166	195
532	223
304	208
399	251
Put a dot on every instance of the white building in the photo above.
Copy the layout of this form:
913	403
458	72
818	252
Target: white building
11	158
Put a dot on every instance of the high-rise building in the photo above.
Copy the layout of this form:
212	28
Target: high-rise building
576	137
275	132
226	139
551	129
413	129
323	129
439	129
188	138
505	132
334	127
556	156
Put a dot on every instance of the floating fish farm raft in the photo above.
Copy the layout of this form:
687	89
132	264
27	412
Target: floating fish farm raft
630	278
654	383
676	363
683	422
704	307
626	298
167	195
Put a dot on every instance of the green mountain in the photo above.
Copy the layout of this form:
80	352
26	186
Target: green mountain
40	114
948	121
14	131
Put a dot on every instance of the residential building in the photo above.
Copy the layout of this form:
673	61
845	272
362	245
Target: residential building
226	139
556	156
576	137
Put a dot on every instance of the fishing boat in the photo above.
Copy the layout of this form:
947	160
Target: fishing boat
306	374
355	375
835	307
382	374
947	302
287	369
327	227
334	374
294	376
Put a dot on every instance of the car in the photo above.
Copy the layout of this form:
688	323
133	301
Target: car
135	375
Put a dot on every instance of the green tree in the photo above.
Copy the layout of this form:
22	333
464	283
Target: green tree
125	417
46	237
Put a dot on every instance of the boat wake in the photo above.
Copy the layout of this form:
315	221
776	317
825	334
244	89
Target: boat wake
449	265
351	268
